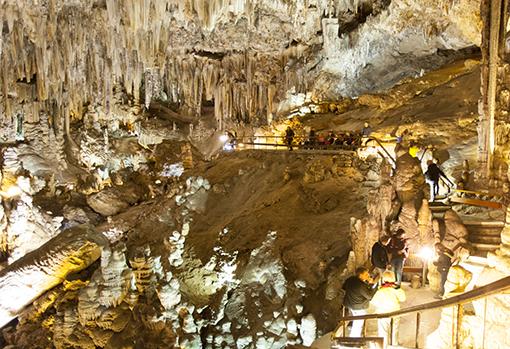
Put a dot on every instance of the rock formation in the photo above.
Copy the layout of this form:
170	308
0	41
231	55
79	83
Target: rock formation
27	278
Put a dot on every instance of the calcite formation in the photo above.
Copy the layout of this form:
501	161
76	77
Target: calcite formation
40	270
73	58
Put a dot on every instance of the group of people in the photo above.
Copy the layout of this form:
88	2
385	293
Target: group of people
344	140
380	291
383	290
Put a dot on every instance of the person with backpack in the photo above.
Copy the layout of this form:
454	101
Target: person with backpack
379	256
398	250
432	176
359	290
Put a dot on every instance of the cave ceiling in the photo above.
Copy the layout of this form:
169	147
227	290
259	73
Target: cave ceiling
245	57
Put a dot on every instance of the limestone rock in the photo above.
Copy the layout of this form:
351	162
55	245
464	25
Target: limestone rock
111	201
40	270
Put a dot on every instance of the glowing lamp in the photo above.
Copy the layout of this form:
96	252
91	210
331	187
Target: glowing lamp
12	191
426	253
223	138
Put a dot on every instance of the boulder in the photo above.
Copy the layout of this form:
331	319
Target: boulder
112	200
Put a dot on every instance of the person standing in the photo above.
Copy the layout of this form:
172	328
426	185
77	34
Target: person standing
387	299
359	290
398	250
379	256
289	137
366	131
443	264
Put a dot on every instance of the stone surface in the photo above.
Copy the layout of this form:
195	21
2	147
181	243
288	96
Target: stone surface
46	267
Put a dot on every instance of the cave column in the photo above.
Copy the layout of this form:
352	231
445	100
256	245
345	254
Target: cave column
494	17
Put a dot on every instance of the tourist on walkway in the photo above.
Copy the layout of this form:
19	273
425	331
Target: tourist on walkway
359	290
312	138
366	131
387	299
289	137
432	177
398	250
443	264
379	256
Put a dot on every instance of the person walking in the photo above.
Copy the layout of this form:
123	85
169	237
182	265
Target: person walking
359	290
379	256
443	264
432	176
398	250
289	137
387	299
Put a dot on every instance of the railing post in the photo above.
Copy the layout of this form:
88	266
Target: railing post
484	319
418	315
343	322
391	331
453	325
459	325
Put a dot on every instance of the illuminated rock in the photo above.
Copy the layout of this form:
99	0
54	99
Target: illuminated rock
46	267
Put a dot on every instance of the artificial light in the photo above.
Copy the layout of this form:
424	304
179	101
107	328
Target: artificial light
426	253
12	191
223	138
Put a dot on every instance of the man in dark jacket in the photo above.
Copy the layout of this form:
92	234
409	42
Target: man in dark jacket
359	290
432	176
443	264
398	250
379	256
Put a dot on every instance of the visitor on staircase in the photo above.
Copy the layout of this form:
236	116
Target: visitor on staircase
359	290
443	264
387	299
379	256
398	250
432	176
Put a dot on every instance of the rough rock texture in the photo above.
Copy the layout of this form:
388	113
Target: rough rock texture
193	262
242	56
48	266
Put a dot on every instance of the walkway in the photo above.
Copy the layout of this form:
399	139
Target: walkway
428	323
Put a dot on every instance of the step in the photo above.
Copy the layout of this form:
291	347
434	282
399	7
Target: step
491	240
478	223
481	230
441	208
485	247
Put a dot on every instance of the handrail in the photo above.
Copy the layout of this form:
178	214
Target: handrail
495	287
383	148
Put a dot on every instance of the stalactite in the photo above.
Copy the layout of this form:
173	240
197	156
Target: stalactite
92	50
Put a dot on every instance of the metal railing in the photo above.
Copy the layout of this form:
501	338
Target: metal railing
457	302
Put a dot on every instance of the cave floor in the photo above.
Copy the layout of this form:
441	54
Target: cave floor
428	323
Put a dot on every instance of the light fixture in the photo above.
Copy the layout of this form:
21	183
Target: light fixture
223	138
426	254
11	192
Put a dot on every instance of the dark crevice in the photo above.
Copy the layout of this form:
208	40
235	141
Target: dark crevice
211	55
350	21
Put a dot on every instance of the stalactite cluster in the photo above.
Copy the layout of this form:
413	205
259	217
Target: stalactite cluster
60	56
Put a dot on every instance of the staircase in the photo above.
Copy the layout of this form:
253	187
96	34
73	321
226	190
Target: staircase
484	235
